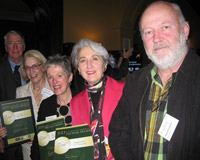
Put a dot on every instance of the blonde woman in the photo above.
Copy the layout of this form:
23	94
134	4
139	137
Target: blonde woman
32	70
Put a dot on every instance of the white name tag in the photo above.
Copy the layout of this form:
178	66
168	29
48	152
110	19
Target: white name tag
50	117
168	127
47	92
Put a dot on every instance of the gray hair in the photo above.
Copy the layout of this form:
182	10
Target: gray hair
61	61
15	33
96	47
176	8
179	12
35	54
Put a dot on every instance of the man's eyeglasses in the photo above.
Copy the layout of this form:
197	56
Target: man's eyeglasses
33	67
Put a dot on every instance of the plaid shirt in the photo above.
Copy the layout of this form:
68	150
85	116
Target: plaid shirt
154	144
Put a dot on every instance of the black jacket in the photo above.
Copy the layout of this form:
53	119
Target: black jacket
7	81
128	121
47	108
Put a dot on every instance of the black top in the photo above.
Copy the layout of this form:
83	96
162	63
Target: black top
7	81
48	107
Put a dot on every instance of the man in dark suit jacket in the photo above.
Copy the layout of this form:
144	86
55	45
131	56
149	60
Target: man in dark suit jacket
14	46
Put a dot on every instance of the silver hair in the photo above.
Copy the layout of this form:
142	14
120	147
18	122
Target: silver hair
179	12
15	33
96	47
176	8
61	61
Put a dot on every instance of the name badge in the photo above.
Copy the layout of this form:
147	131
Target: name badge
50	117
47	92
168	127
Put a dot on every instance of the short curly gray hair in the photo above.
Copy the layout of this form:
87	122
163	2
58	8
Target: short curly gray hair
96	47
61	61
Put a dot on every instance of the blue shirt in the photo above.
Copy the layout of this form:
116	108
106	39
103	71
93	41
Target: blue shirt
12	64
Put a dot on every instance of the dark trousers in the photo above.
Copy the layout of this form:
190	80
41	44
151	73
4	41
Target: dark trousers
12	153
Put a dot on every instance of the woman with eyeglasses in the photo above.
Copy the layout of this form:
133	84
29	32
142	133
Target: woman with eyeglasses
59	76
33	71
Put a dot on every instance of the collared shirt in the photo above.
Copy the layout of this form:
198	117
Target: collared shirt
12	64
155	145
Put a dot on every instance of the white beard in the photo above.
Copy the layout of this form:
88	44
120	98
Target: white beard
173	56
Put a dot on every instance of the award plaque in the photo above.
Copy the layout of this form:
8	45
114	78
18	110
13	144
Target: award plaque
18	118
46	136
74	142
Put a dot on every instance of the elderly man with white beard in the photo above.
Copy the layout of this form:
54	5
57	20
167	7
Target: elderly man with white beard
158	115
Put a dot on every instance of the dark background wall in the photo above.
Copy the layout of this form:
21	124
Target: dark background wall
48	24
43	29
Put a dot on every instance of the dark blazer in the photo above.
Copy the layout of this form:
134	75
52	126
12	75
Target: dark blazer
47	108
8	92
7	81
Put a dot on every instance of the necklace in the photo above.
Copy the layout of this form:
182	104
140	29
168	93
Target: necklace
34	91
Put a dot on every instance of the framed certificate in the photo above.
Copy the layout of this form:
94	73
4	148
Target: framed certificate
18	118
46	131
74	142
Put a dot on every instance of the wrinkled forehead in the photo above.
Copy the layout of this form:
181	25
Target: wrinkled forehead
14	36
160	11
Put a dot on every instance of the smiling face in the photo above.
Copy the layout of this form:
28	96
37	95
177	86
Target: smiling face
163	36
15	47
58	80
90	65
33	69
